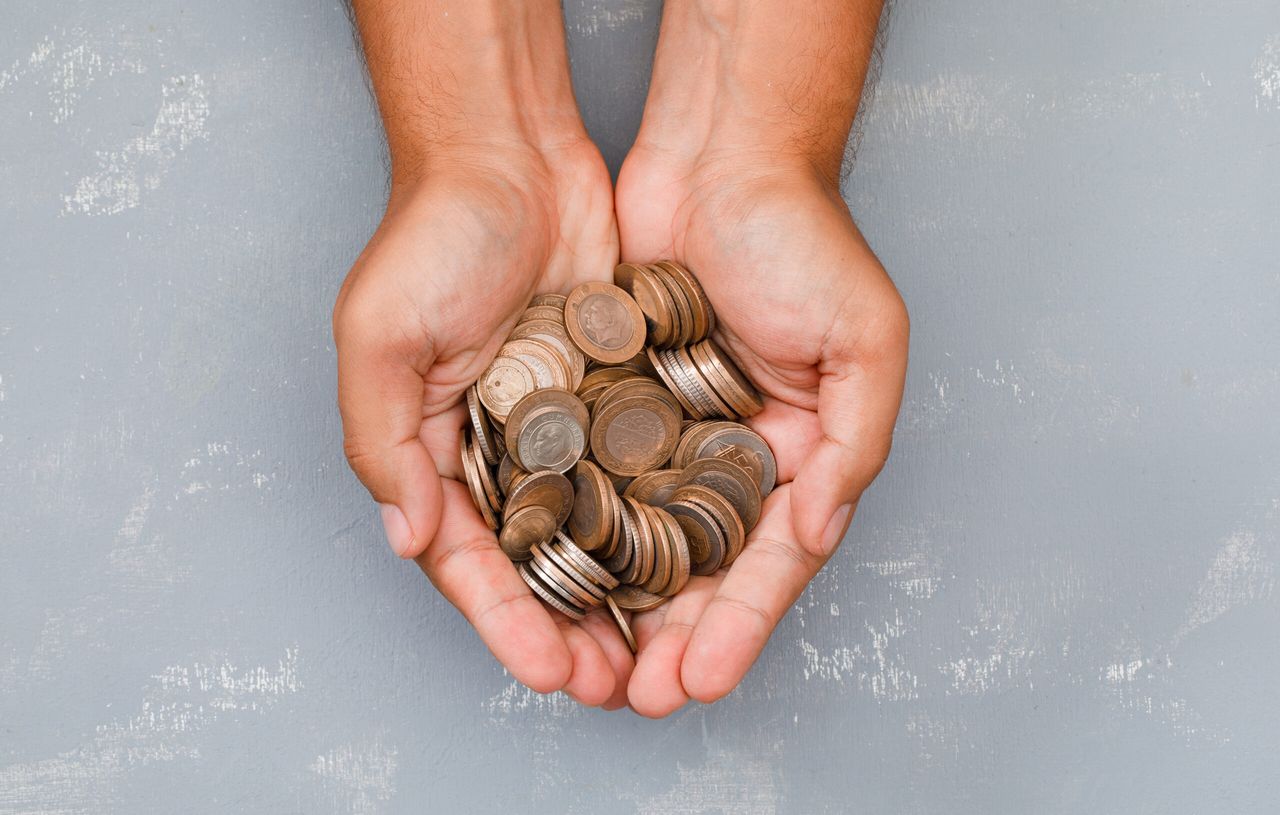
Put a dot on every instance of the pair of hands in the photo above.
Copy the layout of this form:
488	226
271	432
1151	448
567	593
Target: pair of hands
802	304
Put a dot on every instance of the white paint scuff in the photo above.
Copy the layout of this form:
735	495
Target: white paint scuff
1241	573
727	784
65	67
359	776
607	15
124	174
180	702
1266	72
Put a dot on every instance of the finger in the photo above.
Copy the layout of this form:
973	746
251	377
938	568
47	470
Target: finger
662	635
858	398
469	569
592	681
600	625
758	590
380	396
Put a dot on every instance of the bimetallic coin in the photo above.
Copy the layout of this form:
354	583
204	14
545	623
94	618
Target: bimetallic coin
706	540
478	496
735	534
728	379
604	322
523	529
556	300
634	435
504	383
591	521
548	368
623	625
743	447
546	312
730	480
654	487
705	316
481	429
583	562
549	596
547	430
546	488
633	598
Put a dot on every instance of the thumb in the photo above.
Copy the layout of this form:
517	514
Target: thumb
380	396
858	400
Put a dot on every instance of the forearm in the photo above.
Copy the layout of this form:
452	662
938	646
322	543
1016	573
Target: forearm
765	77
465	75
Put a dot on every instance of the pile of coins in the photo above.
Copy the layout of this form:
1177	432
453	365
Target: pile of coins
603	445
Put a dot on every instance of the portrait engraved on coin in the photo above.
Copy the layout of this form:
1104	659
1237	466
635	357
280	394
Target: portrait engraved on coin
605	322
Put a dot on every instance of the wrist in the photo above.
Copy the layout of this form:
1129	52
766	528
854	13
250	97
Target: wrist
484	79
759	81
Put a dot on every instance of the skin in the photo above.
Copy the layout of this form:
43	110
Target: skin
735	174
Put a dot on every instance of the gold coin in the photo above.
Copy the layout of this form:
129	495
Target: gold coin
523	529
604	322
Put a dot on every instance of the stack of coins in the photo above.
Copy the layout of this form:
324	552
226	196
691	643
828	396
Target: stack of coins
603	449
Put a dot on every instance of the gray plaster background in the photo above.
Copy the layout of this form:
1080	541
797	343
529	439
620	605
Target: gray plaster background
1060	596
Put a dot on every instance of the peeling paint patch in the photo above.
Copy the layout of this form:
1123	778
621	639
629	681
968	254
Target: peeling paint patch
124	174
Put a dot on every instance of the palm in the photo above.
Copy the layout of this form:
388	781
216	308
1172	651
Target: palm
780	261
444	280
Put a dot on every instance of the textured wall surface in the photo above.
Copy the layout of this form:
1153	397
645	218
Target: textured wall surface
1060	596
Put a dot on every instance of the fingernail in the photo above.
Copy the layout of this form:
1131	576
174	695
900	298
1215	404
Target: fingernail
399	535
836	528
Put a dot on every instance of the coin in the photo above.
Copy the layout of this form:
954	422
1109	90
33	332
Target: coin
623	625
553	334
488	443
478	496
523	528
705	316
547	430
545	312
706	540
503	384
549	596
583	562
604	322
591	521
653	299
654	487
633	598
634	435
546	488
735	534
728	379
743	447
549	369
730	480
556	300
571	583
